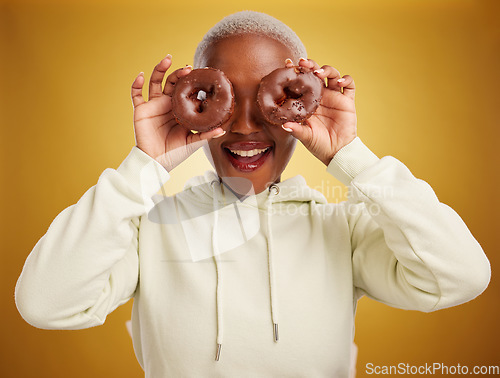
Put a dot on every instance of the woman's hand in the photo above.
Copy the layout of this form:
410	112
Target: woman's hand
333	125
157	133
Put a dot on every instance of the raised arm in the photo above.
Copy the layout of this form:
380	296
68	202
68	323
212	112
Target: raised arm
87	263
408	249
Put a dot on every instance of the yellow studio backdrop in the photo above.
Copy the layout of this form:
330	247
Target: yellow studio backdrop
427	93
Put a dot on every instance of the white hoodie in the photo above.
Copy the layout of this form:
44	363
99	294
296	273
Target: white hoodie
270	281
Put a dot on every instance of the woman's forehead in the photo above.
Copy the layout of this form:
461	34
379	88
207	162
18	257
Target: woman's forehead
247	52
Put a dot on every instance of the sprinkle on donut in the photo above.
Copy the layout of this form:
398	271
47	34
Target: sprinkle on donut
203	100
290	94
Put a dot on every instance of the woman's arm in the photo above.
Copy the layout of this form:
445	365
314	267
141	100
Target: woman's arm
86	264
409	250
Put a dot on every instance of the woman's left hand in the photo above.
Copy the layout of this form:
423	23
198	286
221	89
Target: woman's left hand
333	125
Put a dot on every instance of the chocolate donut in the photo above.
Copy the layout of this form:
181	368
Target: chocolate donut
290	94
203	99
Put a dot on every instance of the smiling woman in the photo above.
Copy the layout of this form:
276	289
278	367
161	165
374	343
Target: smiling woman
253	148
243	265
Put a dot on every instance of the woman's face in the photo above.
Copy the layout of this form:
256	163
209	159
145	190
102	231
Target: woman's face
252	148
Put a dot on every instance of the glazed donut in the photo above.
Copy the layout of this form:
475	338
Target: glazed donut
289	94
203	99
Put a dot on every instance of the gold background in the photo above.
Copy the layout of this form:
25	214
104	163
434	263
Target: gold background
427	93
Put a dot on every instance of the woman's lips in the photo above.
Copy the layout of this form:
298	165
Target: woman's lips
247	156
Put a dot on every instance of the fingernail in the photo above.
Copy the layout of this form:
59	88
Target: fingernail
189	66
286	128
141	73
303	59
288	61
319	71
168	56
340	80
219	135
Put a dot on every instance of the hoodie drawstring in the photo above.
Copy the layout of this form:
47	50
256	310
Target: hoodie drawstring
218	293
273	190
272	285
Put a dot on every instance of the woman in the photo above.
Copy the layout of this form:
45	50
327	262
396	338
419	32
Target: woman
262	274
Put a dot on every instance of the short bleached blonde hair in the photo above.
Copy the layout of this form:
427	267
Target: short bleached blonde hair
250	22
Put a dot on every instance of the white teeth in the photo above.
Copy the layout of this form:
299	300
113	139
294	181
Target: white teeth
249	153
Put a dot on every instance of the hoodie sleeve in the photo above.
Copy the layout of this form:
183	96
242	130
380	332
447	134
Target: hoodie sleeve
86	264
408	250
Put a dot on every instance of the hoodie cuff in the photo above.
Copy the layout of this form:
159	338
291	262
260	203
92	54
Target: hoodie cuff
351	160
143	173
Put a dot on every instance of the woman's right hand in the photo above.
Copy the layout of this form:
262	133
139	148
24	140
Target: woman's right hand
157	133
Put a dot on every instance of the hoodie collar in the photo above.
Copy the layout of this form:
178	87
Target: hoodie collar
294	189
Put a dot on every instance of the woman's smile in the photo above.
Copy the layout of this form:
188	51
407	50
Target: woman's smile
247	156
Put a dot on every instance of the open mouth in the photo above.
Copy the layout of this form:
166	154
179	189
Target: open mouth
247	157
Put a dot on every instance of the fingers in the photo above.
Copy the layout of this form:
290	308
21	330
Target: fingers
309	63
331	75
196	140
215	133
344	84
136	91
156	80
347	84
155	87
173	78
303	62
301	132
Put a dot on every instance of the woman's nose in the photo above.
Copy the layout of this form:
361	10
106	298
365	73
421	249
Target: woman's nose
245	119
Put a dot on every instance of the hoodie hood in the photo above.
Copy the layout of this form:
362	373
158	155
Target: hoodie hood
239	218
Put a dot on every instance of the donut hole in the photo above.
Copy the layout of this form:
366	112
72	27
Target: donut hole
288	93
293	93
200	98
202	101
202	95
